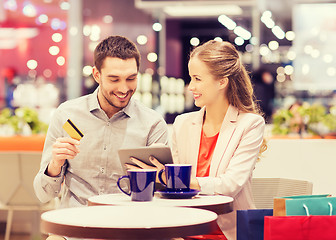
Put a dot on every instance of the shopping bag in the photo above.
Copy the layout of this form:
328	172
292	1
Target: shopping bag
250	223
300	228
304	205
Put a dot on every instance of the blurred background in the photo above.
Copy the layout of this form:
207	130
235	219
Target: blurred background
46	58
46	49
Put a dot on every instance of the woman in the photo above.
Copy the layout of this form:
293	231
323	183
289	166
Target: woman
222	141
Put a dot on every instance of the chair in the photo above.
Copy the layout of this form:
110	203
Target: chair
265	189
17	172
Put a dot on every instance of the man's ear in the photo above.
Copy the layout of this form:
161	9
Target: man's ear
96	74
223	83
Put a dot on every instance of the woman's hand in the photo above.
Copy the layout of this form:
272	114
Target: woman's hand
194	184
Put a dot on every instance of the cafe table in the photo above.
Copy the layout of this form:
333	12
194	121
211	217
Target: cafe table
216	203
128	222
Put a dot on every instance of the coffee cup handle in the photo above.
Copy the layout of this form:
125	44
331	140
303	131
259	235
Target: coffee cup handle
129	194
160	177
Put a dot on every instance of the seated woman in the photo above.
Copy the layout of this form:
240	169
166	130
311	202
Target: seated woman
222	141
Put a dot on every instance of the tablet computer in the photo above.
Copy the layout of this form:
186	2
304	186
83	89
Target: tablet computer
161	152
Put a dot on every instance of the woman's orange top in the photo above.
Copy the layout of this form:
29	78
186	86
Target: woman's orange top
206	149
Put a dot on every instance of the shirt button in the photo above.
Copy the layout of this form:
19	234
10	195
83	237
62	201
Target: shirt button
105	147
108	123
102	170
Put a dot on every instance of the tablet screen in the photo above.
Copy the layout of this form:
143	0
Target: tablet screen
161	152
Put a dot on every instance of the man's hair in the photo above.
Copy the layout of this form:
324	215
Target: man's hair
115	46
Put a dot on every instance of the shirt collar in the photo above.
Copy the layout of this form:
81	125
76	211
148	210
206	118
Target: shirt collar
94	104
93	100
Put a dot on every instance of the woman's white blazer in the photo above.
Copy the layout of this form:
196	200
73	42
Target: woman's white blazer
233	159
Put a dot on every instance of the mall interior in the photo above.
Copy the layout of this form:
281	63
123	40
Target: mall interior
46	58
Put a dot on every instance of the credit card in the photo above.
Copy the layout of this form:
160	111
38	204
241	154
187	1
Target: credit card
72	130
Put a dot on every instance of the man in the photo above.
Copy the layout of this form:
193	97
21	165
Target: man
109	120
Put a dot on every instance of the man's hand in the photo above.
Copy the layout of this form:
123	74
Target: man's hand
141	165
63	148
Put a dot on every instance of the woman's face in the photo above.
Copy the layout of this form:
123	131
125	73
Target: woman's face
205	89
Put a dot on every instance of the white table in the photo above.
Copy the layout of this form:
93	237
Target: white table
216	203
128	222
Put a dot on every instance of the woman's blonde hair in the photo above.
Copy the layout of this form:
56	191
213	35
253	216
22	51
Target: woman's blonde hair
223	61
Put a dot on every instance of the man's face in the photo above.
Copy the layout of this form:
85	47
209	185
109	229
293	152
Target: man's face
118	82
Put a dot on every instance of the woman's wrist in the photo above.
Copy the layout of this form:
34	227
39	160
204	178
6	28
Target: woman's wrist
194	184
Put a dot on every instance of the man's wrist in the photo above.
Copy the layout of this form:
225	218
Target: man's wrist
52	170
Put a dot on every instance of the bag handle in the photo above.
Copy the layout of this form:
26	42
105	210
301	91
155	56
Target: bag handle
330	207
306	209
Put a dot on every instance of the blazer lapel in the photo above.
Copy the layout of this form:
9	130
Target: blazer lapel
195	139
227	129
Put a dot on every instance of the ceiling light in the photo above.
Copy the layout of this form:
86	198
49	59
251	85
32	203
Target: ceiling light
10	5
54	50
281	78
152	57
205	10
267	14
194	41
60	61
43	18
107	19
55	23
273	45
328	58
32	64
239	41
242	32
264	50
157	27
29	10
142	39
289	70
291	55
65	5
87	70
227	22
87	30
253	40
290	35
218	39
268	22
249	48
57	37
278	32
280	70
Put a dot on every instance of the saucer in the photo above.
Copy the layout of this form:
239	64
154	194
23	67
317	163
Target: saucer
178	195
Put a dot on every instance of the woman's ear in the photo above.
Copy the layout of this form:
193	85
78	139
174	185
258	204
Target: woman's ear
223	83
96	74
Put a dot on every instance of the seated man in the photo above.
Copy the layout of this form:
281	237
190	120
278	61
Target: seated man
109	120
